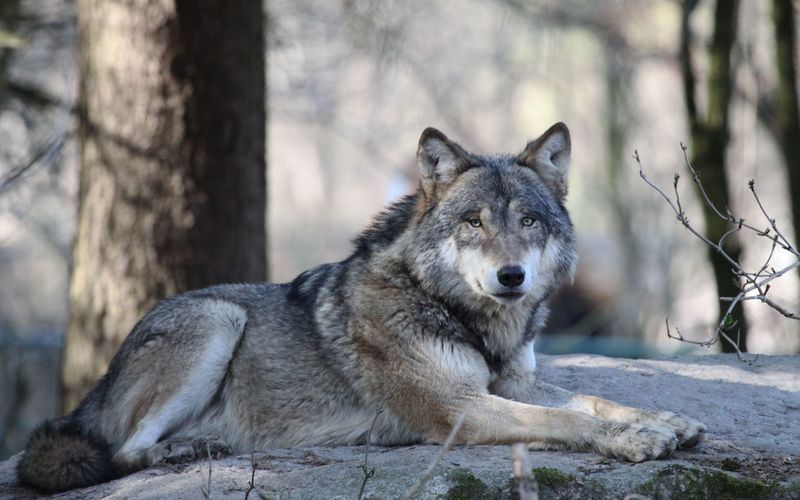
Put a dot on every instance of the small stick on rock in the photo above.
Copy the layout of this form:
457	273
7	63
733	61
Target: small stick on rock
368	473
525	486
205	489
252	483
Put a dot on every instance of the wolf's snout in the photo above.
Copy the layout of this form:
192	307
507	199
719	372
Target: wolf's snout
511	276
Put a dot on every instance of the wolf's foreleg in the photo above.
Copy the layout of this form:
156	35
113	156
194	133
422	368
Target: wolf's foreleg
688	431
495	419
438	383
518	382
491	419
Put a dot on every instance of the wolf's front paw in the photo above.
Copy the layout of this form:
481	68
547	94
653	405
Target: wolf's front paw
637	443
689	431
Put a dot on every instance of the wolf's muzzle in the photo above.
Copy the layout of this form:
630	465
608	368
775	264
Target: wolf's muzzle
511	276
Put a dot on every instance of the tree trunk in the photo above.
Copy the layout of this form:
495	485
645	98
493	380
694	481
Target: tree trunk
618	116
173	177
709	138
787	110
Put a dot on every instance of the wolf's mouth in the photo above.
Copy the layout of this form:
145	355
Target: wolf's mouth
508	297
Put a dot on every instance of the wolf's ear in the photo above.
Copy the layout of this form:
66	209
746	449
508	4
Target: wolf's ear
440	161
548	156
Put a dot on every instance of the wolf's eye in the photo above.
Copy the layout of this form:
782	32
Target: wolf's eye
475	222
528	221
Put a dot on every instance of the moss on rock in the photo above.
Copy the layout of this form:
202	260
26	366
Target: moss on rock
690	483
552	478
731	464
467	486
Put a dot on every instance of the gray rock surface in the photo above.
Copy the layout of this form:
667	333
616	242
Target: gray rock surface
752	448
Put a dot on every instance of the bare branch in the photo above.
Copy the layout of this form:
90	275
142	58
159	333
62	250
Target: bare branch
47	152
680	214
727	216
754	285
368	473
443	451
752	185
252	484
205	488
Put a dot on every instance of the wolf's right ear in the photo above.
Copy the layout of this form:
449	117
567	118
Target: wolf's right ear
440	161
548	156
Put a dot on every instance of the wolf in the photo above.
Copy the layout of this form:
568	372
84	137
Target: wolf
431	320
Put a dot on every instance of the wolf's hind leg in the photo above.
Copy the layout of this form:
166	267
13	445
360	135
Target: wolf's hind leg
176	378
179	450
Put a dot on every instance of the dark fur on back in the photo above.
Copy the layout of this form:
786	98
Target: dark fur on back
59	456
387	226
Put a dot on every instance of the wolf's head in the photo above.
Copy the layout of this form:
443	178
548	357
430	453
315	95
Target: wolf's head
495	231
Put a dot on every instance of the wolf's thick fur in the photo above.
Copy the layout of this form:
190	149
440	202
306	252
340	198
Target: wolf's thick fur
435	311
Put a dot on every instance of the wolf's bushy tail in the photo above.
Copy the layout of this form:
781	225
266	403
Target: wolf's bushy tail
61	455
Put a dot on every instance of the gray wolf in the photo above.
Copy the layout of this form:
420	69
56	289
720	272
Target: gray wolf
433	315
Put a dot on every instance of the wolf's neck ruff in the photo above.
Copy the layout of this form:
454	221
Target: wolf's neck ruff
500	336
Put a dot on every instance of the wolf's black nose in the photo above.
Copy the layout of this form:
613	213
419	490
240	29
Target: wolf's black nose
511	276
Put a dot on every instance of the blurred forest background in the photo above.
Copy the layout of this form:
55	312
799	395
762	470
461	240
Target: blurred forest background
350	85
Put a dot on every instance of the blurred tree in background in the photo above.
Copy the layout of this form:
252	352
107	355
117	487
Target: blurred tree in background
786	126
172	183
710	135
36	208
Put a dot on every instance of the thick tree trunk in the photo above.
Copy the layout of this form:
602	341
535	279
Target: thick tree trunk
709	138
173	177
787	109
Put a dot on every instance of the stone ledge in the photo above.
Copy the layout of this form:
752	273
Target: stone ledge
752	449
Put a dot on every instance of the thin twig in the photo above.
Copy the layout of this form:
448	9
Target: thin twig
368	473
205	489
773	275
680	214
252	484
443	451
728	216
764	266
763	298
719	334
46	152
752	185
696	178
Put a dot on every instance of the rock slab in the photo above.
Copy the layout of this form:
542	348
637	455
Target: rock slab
752	448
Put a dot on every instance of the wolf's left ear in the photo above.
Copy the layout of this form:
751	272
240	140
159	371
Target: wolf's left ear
548	156
440	161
